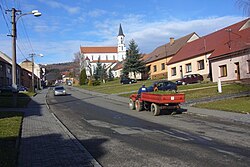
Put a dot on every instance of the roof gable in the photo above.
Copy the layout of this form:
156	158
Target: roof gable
168	49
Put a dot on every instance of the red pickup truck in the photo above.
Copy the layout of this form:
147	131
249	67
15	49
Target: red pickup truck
155	102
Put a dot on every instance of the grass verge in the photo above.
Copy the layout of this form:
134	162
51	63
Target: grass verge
239	104
210	92
22	99
10	124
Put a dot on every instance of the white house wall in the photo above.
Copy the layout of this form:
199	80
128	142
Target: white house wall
117	73
194	67
103	56
231	68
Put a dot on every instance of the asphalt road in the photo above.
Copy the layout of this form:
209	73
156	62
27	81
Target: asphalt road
117	136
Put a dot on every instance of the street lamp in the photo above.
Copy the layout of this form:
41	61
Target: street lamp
36	13
33	81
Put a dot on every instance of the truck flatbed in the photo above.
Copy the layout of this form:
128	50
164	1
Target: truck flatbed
155	102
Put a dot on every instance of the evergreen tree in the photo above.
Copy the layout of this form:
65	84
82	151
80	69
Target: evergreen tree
98	70
83	77
133	62
110	75
104	75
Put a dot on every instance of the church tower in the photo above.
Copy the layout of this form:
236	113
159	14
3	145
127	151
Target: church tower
121	48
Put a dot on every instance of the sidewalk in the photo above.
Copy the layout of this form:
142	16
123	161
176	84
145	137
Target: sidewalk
46	142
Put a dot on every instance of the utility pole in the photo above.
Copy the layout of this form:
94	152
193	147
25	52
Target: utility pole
32	77
13	35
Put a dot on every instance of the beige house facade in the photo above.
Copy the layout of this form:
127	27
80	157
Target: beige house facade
197	65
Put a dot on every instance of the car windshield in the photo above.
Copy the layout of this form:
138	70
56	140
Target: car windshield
59	88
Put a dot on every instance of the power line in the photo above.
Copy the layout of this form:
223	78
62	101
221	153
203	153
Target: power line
2	11
27	36
5	4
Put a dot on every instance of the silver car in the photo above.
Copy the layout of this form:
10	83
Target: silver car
59	90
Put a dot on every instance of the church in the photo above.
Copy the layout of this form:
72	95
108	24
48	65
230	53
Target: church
109	56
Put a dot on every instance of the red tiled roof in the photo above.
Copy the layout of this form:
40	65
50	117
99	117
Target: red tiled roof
168	49
215	43
110	49
118	66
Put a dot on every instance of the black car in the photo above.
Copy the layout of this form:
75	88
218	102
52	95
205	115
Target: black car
163	85
127	81
22	88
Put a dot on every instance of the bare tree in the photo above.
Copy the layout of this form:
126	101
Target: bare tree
77	57
244	5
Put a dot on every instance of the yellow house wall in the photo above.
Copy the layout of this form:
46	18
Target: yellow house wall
194	67
159	72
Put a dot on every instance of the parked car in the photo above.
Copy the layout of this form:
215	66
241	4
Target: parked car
8	89
22	88
69	83
163	85
189	79
127	81
59	90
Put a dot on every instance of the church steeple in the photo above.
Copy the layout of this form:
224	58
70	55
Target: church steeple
120	31
121	48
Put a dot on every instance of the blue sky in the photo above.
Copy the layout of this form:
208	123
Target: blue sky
65	25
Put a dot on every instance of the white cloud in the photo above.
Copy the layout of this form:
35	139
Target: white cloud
55	4
97	13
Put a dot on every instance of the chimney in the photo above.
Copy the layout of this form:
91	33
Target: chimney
171	40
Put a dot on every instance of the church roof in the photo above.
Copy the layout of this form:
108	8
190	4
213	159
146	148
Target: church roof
110	49
120	31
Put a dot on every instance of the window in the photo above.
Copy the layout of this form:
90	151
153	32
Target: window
113	57
1	67
8	70
92	57
162	66
106	57
188	67
155	68
201	65
223	71
173	71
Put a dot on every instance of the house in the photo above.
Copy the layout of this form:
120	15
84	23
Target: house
6	71
117	70
198	56
109	56
27	65
157	60
231	61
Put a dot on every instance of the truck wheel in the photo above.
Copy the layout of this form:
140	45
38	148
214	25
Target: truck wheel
138	105
155	109
131	104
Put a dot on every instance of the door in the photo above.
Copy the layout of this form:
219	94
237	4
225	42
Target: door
181	72
237	71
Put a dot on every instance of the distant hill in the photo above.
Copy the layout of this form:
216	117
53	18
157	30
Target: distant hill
61	66
54	71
